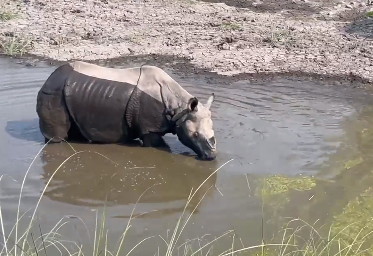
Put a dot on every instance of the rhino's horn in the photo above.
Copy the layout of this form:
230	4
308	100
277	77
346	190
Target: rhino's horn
210	100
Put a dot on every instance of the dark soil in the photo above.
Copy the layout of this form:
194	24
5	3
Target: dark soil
361	27
182	67
271	6
291	8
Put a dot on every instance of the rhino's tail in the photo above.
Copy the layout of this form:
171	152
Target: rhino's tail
54	119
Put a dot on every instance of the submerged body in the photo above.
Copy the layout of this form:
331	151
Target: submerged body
107	105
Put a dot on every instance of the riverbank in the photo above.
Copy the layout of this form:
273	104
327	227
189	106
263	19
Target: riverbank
314	37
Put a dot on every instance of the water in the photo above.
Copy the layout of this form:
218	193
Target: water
282	127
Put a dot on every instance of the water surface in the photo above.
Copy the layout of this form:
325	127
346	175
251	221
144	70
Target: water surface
283	127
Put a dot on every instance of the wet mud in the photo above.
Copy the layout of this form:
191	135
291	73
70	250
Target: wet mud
338	10
272	6
363	26
294	127
183	67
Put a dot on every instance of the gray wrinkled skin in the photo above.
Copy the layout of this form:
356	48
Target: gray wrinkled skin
195	129
108	105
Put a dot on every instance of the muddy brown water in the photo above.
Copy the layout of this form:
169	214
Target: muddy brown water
283	127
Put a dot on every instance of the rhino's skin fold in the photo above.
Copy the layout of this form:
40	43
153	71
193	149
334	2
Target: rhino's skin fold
106	105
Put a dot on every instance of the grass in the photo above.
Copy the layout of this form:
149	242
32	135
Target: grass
345	236
9	43
279	37
369	14
292	241
230	26
14	45
7	15
136	38
295	243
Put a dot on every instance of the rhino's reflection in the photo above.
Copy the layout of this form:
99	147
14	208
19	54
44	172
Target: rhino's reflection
89	179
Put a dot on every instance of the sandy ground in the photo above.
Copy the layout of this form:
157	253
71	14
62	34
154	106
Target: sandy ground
239	36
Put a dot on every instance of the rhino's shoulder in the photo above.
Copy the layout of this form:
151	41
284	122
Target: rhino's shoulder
126	75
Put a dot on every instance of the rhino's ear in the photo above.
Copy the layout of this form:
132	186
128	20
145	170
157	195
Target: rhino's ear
179	115
210	100
192	104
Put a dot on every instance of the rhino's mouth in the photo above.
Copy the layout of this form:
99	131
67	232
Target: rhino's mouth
207	156
203	152
194	147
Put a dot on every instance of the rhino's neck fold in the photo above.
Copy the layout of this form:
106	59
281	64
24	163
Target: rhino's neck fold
175	118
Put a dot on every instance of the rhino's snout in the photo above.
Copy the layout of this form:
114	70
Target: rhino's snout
208	151
208	155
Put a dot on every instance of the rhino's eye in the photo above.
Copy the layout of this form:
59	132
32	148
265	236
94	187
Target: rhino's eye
195	135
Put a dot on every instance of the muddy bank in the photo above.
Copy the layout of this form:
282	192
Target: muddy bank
282	37
183	67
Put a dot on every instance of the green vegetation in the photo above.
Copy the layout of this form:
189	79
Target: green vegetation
7	15
276	185
344	203
369	14
279	37
351	163
230	26
349	233
296	242
356	222
274	190
10	44
14	45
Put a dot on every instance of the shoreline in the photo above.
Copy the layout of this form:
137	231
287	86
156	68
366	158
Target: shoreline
230	42
183	66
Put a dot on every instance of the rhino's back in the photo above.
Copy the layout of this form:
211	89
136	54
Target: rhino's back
98	106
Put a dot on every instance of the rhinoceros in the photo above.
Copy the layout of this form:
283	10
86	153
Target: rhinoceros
112	105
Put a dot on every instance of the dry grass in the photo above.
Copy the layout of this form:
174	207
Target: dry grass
280	37
7	15
14	45
230	26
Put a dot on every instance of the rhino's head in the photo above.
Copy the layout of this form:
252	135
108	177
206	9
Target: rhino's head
194	128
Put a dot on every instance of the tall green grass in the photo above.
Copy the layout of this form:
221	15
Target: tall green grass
292	241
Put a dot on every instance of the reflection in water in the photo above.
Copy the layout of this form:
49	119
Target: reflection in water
352	164
25	130
282	127
90	179
342	205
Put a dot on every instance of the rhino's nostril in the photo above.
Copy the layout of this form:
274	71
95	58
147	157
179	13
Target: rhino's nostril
212	142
